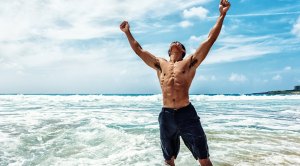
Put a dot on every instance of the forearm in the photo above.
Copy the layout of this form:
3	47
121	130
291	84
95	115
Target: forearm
214	33
133	43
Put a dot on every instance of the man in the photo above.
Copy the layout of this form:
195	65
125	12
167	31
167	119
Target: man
178	116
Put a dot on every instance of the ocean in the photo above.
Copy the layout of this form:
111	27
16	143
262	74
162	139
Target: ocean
117	130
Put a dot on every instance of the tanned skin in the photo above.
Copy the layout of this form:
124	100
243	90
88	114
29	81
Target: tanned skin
176	75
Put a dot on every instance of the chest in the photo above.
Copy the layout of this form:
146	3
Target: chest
176	70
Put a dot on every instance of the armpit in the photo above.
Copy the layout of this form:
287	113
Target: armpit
157	65
193	62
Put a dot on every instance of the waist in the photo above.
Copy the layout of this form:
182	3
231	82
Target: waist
187	107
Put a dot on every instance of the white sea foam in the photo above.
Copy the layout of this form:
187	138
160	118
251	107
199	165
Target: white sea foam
123	130
243	97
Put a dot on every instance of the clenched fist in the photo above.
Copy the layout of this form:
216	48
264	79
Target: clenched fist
224	6
124	26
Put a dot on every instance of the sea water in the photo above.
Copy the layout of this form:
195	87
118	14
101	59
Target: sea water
123	130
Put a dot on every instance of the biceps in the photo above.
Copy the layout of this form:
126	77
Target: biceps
203	50
200	54
147	57
150	60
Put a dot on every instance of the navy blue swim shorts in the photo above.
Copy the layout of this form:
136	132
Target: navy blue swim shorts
186	123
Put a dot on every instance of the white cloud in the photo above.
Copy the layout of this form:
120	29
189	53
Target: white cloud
202	78
296	27
198	39
185	24
213	78
67	42
71	46
77	19
230	54
237	48
277	77
199	12
206	78
265	81
57	69
234	77
268	13
287	68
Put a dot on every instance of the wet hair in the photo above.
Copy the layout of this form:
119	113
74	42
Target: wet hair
182	46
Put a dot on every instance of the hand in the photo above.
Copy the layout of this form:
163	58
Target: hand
224	7
124	26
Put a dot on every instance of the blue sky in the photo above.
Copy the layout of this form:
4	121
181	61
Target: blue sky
76	46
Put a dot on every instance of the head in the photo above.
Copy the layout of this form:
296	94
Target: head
177	49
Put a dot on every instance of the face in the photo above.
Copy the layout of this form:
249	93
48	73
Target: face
176	48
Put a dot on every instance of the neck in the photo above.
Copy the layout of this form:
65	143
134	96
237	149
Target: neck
173	59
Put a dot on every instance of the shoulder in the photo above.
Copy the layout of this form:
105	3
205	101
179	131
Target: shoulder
189	59
161	60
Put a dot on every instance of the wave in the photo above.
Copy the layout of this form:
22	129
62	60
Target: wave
140	98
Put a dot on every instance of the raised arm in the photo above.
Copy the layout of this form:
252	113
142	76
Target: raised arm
203	49
146	56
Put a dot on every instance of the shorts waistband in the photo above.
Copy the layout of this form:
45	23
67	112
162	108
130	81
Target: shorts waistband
178	110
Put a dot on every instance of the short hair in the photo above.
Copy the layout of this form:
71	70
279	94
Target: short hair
182	46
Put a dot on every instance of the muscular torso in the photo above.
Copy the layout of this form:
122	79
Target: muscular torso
175	80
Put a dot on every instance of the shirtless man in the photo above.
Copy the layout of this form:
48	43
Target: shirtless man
178	116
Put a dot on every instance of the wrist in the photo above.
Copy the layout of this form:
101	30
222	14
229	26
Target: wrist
222	15
127	32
